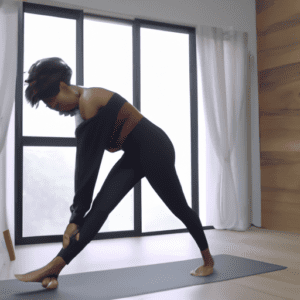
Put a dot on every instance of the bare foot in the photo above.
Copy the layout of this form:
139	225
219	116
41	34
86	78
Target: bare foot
204	270
45	275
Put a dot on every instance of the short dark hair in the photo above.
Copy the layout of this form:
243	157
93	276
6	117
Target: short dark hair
44	79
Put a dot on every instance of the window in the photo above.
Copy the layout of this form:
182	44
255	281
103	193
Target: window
165	100
153	66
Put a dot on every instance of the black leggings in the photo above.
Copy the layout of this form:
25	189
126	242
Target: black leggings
148	152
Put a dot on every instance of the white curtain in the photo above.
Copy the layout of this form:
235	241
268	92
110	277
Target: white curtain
8	78
224	64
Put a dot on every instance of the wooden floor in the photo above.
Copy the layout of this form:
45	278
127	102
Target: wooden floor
268	246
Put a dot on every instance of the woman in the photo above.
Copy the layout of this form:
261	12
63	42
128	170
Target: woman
148	152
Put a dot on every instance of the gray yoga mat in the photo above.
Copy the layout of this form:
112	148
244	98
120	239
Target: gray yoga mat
133	281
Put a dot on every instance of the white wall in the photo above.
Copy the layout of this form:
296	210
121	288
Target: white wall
240	14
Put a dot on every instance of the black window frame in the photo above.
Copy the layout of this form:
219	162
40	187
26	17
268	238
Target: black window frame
21	141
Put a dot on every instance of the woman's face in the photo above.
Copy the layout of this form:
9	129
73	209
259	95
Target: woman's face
66	100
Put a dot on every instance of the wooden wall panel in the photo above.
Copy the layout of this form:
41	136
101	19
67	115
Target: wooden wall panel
278	56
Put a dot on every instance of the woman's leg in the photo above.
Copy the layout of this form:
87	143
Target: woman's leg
165	182
121	179
157	157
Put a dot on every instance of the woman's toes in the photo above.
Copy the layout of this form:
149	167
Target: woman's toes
50	283
21	277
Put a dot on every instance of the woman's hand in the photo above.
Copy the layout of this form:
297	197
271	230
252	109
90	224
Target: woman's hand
72	229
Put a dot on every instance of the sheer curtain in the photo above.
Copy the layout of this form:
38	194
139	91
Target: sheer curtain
8	77
224	61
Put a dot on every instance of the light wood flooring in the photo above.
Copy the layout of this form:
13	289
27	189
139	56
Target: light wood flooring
276	247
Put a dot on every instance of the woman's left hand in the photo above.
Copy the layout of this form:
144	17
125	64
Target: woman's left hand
71	230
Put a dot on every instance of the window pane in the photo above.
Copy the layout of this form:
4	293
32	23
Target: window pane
108	64
48	189
53	37
165	101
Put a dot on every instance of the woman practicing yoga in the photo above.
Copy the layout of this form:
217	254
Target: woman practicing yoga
148	152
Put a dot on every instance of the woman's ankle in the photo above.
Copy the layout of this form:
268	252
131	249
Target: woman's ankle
58	263
209	264
207	258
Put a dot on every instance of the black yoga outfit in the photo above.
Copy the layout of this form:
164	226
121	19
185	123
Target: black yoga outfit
148	152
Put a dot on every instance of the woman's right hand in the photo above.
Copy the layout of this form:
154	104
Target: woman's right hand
71	229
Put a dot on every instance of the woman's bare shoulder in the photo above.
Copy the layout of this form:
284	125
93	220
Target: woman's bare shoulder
99	96
93	99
